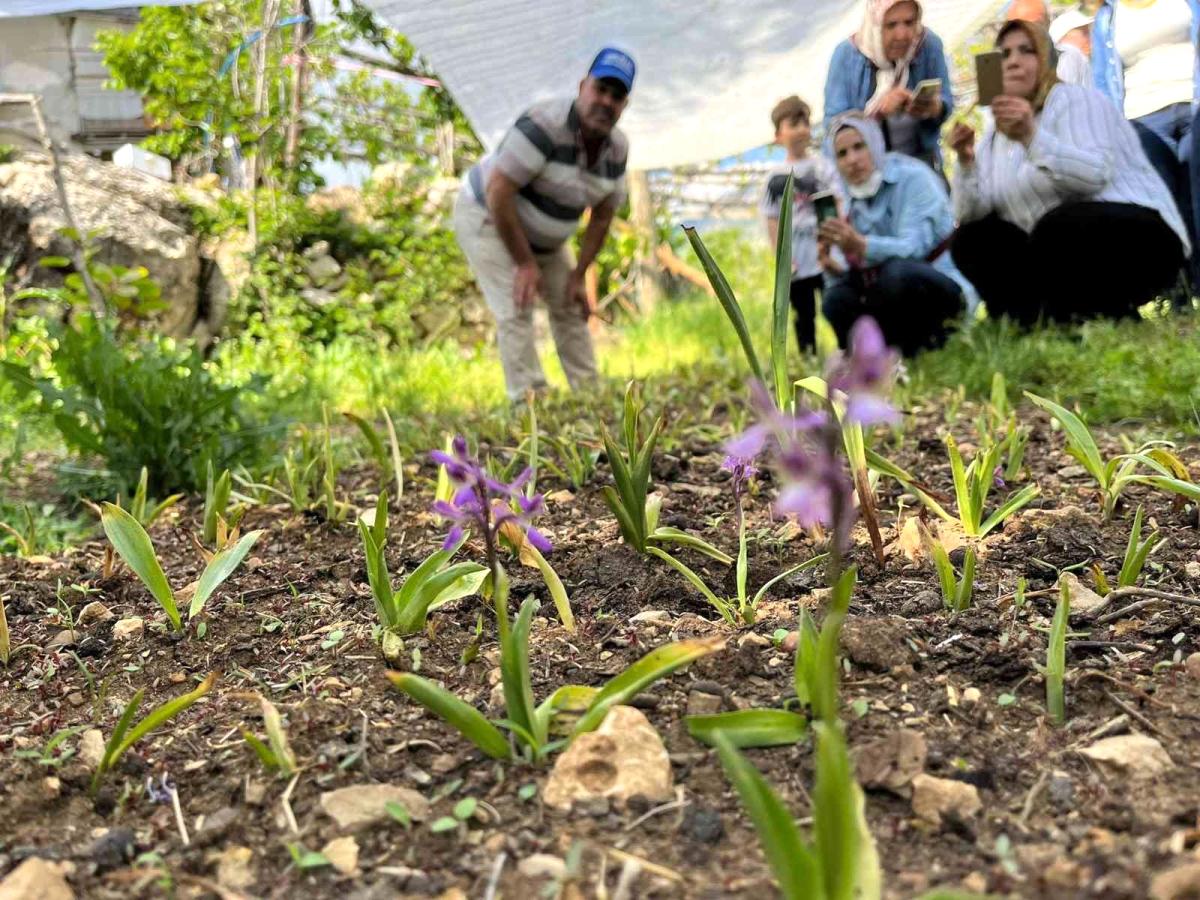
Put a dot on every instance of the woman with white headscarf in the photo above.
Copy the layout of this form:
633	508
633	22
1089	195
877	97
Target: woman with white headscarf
893	239
877	70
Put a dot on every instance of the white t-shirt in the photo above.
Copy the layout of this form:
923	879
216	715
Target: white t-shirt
811	175
1155	46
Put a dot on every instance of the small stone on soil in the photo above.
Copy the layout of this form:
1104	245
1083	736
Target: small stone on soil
342	854
892	762
113	849
363	804
700	703
65	638
921	604
215	825
1180	883
1061	791
542	865
1192	665
703	824
35	879
233	868
94	612
651	617
129	629
91	748
1136	755
937	798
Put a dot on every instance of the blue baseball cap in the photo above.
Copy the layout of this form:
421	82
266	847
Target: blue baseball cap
613	63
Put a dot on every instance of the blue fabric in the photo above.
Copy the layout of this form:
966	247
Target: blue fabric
1107	70
1168	138
907	219
850	84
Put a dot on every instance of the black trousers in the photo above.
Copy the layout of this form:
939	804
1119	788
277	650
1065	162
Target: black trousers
911	300
1083	260
804	310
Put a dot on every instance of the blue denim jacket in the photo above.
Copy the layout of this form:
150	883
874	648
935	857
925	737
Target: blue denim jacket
909	218
1106	63
851	83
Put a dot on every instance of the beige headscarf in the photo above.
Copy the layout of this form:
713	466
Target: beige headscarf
869	41
1047	76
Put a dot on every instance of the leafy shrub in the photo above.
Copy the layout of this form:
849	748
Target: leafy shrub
148	402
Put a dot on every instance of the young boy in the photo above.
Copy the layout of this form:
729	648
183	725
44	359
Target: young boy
812	174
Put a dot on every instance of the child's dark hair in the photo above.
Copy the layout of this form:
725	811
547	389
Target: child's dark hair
790	109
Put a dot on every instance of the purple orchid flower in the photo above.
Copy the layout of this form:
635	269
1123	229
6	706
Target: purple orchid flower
865	374
482	502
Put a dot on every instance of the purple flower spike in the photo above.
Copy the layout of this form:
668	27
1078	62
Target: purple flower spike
482	502
864	375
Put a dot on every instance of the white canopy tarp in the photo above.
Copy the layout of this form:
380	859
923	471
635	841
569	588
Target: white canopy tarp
709	71
16	8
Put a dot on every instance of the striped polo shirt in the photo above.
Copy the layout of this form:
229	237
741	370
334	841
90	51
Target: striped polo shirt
543	153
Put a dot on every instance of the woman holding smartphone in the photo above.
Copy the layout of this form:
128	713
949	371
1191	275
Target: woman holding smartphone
893	242
1059	176
895	69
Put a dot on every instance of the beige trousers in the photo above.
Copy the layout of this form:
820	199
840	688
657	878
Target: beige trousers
495	271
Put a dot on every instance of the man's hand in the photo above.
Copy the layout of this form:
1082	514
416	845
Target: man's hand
577	293
1014	118
896	99
841	233
527	285
925	106
826	260
962	142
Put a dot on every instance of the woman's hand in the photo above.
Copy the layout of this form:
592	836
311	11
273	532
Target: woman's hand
893	101
841	233
1014	118
924	106
825	259
962	142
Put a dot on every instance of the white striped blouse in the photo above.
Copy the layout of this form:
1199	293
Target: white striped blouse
1083	149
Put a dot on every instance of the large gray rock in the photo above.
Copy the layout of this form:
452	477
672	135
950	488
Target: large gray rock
139	221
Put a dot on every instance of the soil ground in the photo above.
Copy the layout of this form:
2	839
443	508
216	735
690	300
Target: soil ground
296	624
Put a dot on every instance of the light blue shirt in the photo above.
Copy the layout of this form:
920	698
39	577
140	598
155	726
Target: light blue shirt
908	218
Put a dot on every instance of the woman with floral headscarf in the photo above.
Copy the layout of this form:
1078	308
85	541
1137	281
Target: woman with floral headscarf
893	241
877	69
1063	216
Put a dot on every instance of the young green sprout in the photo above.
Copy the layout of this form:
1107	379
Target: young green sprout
971	487
217	492
956	594
635	511
434	583
131	542
1136	552
126	734
532	724
1113	476
276	752
1056	659
139	505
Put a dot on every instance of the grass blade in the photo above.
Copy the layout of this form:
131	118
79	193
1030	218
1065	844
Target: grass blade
465	718
697	582
397	459
654	665
219	568
162	714
1056	659
783	298
968	515
1011	505
727	299
1079	440
669	534
130	540
514	672
750	728
794	864
277	737
558	593
835	824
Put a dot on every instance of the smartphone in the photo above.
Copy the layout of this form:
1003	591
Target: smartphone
825	204
989	74
928	90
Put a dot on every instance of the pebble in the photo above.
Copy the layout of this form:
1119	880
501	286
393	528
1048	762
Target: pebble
703	824
651	617
971	696
1136	755
543	865
233	868
51	787
214	826
129	629
753	639
342	854
444	763
94	612
65	638
36	879
1192	570
1061	791
1192	665
114	849
921	604
255	793
700	703
91	748
365	804
936	798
